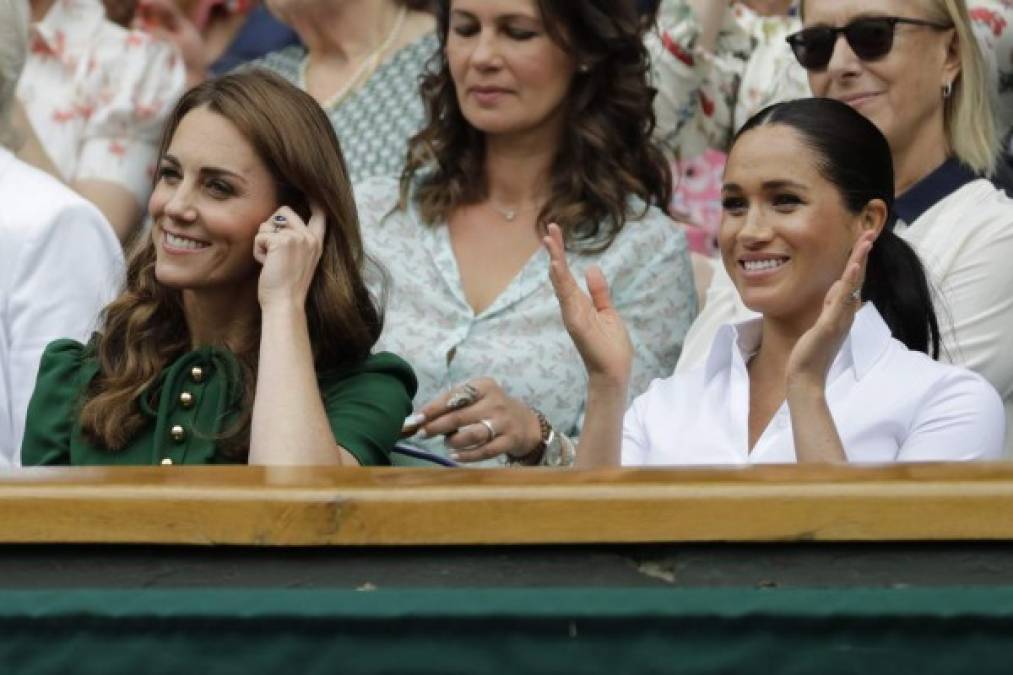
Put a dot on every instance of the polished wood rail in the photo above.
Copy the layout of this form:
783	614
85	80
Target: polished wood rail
325	506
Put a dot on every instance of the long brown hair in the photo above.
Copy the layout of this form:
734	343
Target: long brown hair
606	154
144	330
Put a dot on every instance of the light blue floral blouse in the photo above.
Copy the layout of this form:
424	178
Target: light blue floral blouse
519	340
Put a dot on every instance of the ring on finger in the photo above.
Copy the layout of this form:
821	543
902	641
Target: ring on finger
855	295
463	398
278	221
487	423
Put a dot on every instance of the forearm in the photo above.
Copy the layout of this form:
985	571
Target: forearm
289	424
813	428
710	14
601	437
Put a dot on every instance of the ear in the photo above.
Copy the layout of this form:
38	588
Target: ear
872	218
951	62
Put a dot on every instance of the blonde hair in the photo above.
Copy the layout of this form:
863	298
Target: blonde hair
13	51
969	112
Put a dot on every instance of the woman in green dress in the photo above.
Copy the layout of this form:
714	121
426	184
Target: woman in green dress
245	330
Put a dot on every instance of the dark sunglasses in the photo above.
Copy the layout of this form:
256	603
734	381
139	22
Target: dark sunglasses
870	38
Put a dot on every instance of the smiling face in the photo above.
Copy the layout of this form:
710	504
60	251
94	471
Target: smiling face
509	75
785	232
212	194
902	92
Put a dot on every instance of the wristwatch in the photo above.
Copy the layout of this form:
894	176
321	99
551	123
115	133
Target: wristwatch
553	450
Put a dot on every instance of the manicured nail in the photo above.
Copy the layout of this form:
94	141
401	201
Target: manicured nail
456	457
423	433
414	420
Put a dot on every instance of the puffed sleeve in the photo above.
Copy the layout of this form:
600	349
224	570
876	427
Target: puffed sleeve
135	94
366	406
53	410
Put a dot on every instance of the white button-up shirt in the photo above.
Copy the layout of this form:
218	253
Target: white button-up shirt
890	404
60	263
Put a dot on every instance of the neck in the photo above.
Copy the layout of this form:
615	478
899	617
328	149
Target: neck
518	167
221	317
769	7
343	31
925	155
778	339
40	8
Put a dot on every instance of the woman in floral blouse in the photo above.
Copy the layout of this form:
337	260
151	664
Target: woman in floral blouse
539	112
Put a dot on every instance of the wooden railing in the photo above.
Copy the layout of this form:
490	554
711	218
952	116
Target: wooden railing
320	506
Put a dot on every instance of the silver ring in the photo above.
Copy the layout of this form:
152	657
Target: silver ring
278	221
462	399
856	295
487	423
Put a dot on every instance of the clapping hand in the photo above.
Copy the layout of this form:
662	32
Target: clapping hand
816	349
592	321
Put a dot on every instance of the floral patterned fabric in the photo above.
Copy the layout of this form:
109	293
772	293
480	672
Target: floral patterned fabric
519	340
704	97
991	20
97	95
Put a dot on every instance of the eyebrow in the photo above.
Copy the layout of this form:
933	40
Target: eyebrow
212	170
502	18
768	186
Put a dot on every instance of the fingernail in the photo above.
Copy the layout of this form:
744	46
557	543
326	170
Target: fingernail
454	456
414	420
423	433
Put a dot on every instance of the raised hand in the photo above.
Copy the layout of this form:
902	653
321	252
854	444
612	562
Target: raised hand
815	351
289	251
593	323
165	20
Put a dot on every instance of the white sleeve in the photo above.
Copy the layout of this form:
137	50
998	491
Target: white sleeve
961	419
65	275
635	442
976	311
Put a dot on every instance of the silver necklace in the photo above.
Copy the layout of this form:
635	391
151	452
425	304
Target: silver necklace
510	215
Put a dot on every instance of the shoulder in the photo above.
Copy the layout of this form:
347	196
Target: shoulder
980	201
135	57
376	198
382	370
934	383
39	208
65	368
285	62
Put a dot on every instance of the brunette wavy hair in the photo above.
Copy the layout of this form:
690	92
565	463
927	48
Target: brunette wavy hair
606	154
144	330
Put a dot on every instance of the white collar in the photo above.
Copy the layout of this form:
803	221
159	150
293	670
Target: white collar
866	343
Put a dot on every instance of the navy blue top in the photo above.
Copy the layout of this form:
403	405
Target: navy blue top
260	34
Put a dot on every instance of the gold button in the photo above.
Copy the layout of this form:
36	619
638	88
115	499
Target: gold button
197	374
178	433
186	399
166	461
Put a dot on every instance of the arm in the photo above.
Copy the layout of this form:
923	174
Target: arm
695	79
600	336
813	428
289	424
116	203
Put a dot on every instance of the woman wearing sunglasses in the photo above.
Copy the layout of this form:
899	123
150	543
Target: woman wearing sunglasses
914	69
838	366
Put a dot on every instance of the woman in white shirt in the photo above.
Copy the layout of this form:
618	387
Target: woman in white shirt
59	260
923	82
837	367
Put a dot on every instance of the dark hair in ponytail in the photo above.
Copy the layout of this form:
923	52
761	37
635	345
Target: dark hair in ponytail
854	155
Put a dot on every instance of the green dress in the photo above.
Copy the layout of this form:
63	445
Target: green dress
196	399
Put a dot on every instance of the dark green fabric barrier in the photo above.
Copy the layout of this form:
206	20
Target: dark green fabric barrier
940	630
